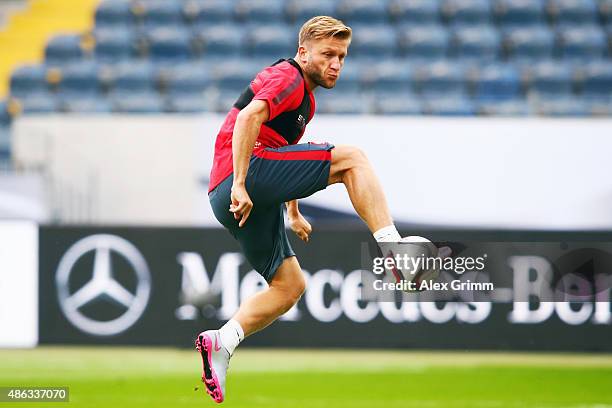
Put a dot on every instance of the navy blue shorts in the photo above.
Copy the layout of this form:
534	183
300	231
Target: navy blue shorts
275	176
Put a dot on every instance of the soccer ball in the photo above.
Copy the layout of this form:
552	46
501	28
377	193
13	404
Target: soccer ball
415	261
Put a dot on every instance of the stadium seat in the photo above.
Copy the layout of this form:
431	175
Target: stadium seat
187	78
5	148
5	117
225	102
397	103
234	78
441	78
38	103
376	42
449	106
29	79
80	78
113	45
415	12
5	143
273	41
596	80
363	11
205	12
581	43
133	77
170	45
389	77
257	64
529	44
162	13
467	12
333	102
82	104
425	42
113	14
138	102
351	76
605	10
63	49
573	12
599	106
190	103
549	78
221	40
300	11
513	107
140	46
260	11
519	13
497	82
480	43
569	106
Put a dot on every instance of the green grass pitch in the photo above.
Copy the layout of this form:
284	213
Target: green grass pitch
161	377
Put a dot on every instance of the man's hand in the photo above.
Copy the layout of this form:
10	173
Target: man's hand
241	204
300	226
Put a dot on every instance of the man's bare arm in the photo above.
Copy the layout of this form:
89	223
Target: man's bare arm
292	208
246	130
297	222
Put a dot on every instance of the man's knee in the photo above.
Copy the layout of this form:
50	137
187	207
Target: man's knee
350	155
299	288
294	294
289	281
344	159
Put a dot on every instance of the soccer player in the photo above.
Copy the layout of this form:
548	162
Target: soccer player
258	167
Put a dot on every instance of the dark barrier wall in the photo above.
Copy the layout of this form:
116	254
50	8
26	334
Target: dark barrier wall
161	286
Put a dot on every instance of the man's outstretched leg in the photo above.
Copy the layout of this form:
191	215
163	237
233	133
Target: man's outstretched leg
217	346
351	167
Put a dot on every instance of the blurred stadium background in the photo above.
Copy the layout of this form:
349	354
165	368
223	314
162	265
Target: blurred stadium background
487	120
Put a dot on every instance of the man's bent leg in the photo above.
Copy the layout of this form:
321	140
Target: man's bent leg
351	167
265	244
285	289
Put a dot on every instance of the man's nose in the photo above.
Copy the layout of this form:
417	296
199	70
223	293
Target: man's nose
335	64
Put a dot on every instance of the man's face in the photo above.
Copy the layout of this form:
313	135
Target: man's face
323	60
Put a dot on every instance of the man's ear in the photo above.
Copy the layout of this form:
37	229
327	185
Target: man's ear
302	54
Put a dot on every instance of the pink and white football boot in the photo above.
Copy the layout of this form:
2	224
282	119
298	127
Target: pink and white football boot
215	361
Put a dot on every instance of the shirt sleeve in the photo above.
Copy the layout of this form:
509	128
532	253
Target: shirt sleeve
282	90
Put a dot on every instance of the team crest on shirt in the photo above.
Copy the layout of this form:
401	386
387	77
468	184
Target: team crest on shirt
300	121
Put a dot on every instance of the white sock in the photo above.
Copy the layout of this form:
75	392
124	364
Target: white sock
231	335
387	234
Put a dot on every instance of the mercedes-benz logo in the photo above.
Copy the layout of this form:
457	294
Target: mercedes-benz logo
103	283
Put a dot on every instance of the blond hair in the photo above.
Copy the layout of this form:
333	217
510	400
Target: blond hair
323	27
